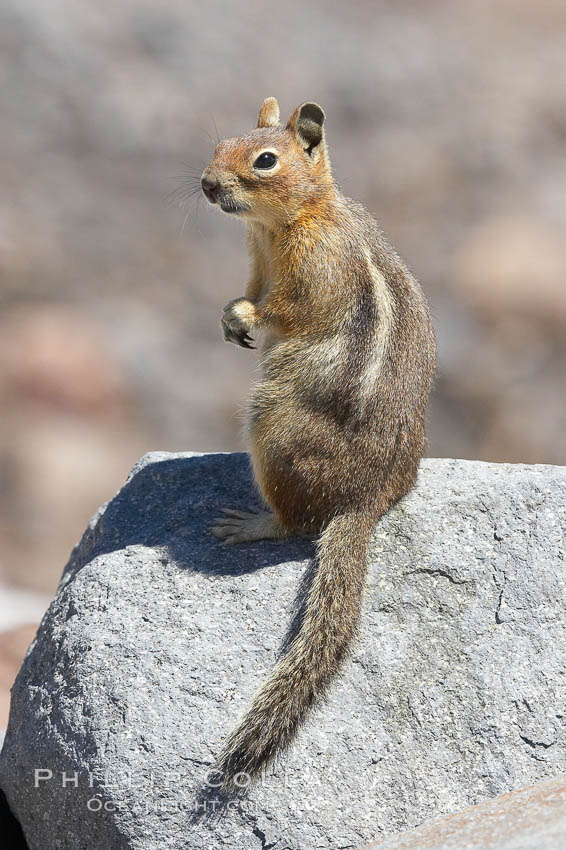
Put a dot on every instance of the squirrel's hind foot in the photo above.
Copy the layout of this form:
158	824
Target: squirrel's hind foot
244	527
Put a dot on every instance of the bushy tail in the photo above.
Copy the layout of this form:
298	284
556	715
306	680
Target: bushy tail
314	655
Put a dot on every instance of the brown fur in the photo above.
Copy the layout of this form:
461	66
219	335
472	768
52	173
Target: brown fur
336	424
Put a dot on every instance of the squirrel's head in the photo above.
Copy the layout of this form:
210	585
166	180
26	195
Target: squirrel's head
272	173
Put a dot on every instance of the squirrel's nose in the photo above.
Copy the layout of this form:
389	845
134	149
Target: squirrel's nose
210	187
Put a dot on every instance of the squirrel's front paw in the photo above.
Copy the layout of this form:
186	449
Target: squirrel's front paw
236	322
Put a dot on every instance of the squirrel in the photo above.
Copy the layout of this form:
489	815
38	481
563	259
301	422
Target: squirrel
336	425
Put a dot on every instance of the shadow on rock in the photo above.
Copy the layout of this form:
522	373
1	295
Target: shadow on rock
170	504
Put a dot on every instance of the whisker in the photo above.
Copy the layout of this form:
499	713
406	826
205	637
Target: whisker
184	222
186	178
182	194
189	188
206	133
184	191
215	129
190	167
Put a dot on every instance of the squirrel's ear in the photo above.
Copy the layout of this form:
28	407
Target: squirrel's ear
269	113
306	123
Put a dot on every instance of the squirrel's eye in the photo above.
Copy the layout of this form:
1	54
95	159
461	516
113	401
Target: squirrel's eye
265	160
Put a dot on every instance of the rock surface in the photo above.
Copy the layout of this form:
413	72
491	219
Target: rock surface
13	646
531	819
159	635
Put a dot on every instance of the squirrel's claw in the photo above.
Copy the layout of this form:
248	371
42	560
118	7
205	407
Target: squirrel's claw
235	326
229	335
241	338
244	341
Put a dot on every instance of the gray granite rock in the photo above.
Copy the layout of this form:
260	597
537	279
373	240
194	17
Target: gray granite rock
533	818
159	635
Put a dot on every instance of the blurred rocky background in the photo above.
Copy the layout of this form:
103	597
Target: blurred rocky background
446	119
